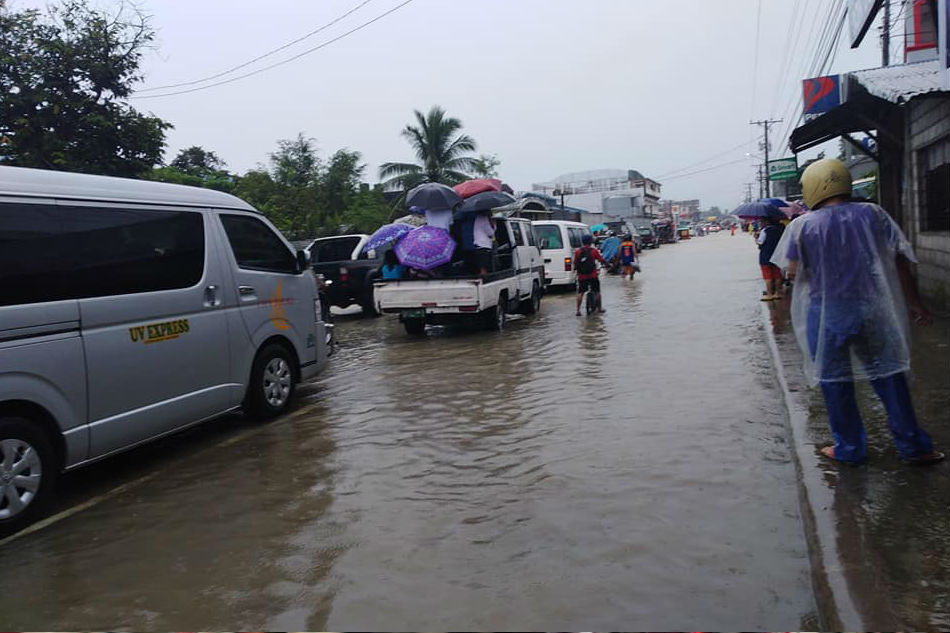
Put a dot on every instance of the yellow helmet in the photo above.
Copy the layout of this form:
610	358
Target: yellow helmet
823	179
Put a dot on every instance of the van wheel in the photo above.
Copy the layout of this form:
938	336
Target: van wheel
28	473
415	327
533	304
272	382
369	309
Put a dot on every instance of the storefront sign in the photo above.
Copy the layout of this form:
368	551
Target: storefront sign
820	94
783	169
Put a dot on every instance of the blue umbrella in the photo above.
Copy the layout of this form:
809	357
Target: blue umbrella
778	203
425	248
598	227
433	196
485	201
385	234
760	209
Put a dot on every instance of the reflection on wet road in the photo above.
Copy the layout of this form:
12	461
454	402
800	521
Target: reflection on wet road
602	472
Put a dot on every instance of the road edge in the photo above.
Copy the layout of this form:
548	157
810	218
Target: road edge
836	610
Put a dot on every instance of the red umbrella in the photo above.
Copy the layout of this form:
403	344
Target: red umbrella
469	188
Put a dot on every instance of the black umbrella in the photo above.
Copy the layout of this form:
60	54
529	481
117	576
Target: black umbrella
485	201
433	196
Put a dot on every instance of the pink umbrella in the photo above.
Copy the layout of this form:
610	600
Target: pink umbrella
469	188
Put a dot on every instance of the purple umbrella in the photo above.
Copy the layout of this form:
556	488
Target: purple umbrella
760	209
385	234
425	248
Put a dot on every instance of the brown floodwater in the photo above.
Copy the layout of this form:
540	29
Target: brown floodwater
611	472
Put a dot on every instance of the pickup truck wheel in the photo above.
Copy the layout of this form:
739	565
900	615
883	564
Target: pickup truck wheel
369	309
533	304
272	382
415	327
497	317
28	472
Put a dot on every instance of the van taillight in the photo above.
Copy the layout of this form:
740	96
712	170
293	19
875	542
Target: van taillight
567	264
344	274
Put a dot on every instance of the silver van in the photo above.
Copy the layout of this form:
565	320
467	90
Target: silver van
130	310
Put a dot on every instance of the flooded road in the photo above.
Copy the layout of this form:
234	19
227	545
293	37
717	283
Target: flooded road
610	472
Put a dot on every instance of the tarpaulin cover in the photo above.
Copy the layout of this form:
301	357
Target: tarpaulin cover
848	309
610	247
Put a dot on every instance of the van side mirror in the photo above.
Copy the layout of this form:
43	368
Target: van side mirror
544	243
303	261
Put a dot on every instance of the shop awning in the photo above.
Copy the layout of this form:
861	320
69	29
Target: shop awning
860	113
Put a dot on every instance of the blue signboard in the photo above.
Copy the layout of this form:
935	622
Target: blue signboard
820	94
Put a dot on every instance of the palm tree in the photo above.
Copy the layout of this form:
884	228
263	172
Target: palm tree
440	149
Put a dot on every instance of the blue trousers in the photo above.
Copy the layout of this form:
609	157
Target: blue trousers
846	331
848	429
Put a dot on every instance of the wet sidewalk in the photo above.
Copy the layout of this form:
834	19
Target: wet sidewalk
879	534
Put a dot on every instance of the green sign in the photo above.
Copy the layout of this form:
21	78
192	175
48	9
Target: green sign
783	169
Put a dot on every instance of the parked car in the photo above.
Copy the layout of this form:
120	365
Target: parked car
649	238
341	260
130	310
514	285
558	239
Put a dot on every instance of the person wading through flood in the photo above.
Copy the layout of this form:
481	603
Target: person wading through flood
853	284
628	256
768	239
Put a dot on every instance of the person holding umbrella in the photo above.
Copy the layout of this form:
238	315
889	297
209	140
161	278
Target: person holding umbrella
853	286
768	239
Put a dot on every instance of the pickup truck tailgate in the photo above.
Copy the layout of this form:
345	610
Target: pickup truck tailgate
426	293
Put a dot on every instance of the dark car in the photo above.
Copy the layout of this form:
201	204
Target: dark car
341	260
648	236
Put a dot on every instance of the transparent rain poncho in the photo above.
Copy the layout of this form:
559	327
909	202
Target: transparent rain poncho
848	308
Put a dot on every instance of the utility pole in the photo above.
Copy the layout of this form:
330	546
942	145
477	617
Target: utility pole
765	124
886	35
748	192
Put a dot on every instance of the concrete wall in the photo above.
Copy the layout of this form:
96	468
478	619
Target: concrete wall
928	120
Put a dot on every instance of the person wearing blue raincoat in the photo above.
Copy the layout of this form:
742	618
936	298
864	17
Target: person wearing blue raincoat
850	264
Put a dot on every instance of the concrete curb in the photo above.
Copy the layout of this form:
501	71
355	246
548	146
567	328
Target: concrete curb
836	609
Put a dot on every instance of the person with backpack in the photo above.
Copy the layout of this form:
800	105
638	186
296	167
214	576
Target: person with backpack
585	263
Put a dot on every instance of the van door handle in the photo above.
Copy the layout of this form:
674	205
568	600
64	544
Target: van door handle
211	296
247	293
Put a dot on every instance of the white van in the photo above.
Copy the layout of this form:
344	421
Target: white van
130	310
558	239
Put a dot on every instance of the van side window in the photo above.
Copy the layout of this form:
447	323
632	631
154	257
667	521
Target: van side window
575	237
56	252
256	247
516	231
551	235
529	233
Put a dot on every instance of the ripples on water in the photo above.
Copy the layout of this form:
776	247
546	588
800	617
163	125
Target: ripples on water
623	471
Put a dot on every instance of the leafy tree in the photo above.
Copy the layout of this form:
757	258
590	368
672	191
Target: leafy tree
367	211
197	167
65	77
441	150
485	166
197	160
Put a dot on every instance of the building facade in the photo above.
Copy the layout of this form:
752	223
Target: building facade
611	192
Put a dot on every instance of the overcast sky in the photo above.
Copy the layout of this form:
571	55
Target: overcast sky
549	86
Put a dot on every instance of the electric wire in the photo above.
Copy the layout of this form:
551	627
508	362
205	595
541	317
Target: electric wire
755	55
702	171
260	57
282	62
673	173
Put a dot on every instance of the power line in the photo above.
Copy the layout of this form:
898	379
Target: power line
704	161
701	171
260	57
755	55
793	35
282	62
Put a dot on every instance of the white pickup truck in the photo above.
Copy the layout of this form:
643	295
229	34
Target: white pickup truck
514	285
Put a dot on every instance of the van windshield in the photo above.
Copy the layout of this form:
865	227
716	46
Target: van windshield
549	235
333	250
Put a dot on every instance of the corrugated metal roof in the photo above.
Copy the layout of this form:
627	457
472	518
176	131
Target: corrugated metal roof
901	83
